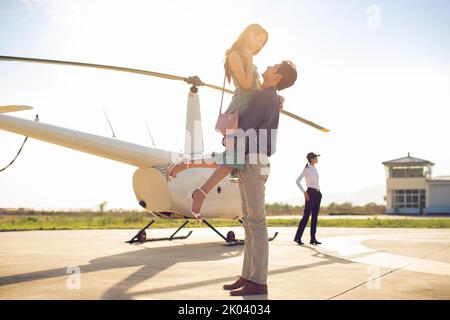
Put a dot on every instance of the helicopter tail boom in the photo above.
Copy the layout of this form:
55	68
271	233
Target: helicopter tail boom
113	149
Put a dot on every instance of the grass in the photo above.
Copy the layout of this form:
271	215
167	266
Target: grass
74	222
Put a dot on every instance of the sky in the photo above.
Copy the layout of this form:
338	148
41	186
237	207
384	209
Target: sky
376	73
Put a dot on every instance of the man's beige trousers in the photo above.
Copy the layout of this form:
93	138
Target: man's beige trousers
252	180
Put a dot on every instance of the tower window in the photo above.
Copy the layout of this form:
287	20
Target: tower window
410	198
407	172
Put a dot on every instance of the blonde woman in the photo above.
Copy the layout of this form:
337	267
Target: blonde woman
240	68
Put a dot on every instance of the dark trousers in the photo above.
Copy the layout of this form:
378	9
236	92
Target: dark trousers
311	206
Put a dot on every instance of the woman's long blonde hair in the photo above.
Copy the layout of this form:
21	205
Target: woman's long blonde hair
242	40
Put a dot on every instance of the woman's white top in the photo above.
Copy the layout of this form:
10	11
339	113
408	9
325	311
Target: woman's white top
311	176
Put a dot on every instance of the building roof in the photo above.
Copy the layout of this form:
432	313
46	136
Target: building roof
440	179
408	160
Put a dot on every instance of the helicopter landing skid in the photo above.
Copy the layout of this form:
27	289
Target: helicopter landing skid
141	236
230	239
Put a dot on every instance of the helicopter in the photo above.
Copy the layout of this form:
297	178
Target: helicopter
156	192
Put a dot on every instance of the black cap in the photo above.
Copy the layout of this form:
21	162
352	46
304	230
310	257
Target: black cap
311	156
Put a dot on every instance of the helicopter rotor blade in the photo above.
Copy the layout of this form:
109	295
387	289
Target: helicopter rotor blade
218	88
14	108
190	80
309	123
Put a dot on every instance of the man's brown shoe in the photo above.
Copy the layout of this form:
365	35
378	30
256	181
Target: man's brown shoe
236	285
251	288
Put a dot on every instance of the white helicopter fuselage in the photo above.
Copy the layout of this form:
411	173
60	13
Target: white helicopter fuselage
168	199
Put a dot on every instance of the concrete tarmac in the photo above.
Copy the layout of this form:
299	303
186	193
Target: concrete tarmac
352	263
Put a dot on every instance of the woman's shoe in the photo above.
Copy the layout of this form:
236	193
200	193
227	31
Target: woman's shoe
189	197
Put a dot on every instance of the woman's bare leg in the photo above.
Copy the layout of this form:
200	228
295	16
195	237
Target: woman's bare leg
218	174
198	197
189	165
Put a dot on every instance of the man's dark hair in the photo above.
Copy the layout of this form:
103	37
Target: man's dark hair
288	73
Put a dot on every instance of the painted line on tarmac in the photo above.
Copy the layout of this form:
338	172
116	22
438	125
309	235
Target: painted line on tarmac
352	249
385	274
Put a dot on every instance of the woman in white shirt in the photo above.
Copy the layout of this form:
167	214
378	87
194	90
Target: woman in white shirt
312	198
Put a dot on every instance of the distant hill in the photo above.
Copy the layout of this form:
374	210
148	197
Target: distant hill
374	193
